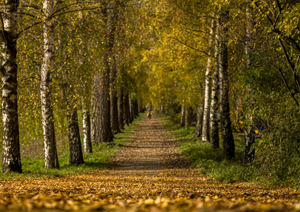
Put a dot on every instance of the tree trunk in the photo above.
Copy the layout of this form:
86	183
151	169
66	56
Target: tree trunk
76	157
199	124
114	99
186	117
205	128
51	159
11	146
214	127
96	111
106	132
127	109
131	109
249	132
121	109
105	128
227	137
86	122
182	119
136	108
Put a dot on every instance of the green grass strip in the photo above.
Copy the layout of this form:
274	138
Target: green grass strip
210	161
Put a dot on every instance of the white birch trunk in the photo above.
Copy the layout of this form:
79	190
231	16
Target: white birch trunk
11	146
205	128
51	159
214	127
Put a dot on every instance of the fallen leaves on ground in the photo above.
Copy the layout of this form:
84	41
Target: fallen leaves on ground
147	175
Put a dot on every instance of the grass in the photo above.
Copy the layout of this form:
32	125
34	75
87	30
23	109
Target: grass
34	167
211	162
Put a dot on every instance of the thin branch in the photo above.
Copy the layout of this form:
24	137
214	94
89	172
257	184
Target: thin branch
70	11
24	13
28	27
183	43
292	66
287	86
279	6
31	6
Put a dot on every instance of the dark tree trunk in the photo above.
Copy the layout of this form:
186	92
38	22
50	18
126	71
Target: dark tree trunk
114	99
136	108
131	109
127	109
182	118
11	146
76	157
227	137
186	115
96	111
198	128
106	132
121	109
249	132
199	116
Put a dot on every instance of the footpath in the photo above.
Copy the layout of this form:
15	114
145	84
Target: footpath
147	174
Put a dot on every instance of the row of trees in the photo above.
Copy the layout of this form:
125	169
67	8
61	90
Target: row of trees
239	59
59	58
191	59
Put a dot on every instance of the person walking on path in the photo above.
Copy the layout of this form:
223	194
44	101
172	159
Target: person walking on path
149	114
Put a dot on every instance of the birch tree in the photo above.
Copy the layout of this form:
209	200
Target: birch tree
227	137
8	38
51	159
208	73
214	127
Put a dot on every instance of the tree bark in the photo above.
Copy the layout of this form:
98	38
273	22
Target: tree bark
51	159
186	117
249	132
106	132
96	111
113	98
121	109
205	128
11	146
227	137
136	108
86	122
214	127
131	109
127	109
199	123
76	157
182	119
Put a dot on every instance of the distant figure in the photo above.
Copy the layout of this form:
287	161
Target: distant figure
149	114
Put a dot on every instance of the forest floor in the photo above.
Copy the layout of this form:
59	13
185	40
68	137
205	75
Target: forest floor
148	174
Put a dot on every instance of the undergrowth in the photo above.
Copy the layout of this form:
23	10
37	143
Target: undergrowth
99	159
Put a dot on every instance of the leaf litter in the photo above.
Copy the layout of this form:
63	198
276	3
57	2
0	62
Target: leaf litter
148	174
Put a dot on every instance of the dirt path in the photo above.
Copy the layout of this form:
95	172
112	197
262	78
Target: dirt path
151	151
146	175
